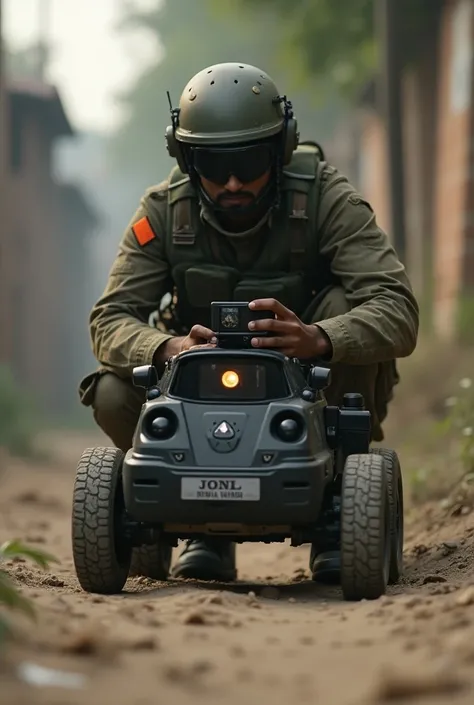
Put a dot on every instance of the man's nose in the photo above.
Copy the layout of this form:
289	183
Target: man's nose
233	185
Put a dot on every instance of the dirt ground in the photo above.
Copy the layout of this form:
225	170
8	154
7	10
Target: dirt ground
274	636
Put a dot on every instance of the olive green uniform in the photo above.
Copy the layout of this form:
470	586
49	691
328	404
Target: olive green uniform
351	283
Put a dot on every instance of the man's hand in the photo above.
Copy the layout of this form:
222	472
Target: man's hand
198	337
287	333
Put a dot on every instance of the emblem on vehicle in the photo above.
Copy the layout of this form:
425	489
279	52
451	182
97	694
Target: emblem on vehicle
224	431
224	435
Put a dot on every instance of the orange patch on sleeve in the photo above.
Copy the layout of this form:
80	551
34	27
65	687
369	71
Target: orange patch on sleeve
143	231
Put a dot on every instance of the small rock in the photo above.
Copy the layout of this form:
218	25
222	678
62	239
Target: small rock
450	545
194	618
53	581
434	579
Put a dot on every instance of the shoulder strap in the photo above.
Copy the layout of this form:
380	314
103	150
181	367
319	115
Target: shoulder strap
298	231
180	199
301	180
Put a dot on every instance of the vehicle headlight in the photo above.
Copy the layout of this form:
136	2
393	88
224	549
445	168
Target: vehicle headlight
162	424
230	379
287	426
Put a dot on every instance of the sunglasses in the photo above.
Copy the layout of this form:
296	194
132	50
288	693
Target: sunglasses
245	163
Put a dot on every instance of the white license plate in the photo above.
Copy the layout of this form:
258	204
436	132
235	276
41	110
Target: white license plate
246	489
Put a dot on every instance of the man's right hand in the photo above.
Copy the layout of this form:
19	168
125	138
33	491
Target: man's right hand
198	337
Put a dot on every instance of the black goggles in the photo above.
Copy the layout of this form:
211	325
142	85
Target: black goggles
246	163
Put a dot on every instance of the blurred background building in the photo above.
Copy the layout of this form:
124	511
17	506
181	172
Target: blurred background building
389	92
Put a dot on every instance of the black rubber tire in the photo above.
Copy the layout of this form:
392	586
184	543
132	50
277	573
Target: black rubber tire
365	528
395	493
152	561
101	554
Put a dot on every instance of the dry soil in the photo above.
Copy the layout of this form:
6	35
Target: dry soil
272	637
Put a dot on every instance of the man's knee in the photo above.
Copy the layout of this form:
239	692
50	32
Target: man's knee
375	382
116	406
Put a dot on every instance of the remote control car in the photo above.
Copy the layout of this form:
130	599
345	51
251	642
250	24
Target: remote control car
240	443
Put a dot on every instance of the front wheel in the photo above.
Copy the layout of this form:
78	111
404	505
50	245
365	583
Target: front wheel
365	528
100	550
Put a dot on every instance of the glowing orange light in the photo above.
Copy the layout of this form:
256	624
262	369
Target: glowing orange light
230	379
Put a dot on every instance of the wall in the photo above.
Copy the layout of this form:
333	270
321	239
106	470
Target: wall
453	195
33	279
438	148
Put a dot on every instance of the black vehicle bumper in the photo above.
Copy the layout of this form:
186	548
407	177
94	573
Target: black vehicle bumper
288	494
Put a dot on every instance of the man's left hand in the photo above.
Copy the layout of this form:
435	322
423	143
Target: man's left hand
288	334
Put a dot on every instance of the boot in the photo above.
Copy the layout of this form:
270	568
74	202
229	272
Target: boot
207	560
325	567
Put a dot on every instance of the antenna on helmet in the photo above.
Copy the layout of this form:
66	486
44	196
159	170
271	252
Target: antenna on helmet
174	112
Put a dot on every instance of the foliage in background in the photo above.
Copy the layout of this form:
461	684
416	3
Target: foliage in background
10	597
447	469
17	417
333	43
460	420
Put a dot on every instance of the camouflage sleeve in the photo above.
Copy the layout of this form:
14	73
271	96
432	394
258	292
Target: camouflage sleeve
384	317
121	335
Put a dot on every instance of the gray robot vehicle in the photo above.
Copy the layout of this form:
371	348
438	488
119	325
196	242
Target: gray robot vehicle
239	443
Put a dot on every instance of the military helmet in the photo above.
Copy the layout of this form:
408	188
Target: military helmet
229	104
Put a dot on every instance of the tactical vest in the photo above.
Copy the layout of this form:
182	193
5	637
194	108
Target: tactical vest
287	268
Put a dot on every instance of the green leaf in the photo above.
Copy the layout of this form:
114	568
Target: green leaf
16	549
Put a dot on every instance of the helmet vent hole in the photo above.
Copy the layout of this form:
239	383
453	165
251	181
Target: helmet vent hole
235	80
259	83
210	71
241	67
212	83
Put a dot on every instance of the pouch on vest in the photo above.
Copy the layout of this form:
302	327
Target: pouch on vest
205	283
288	289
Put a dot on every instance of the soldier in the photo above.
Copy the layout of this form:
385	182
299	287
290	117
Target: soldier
249	214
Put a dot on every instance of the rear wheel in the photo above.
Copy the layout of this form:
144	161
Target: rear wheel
100	550
365	528
395	492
